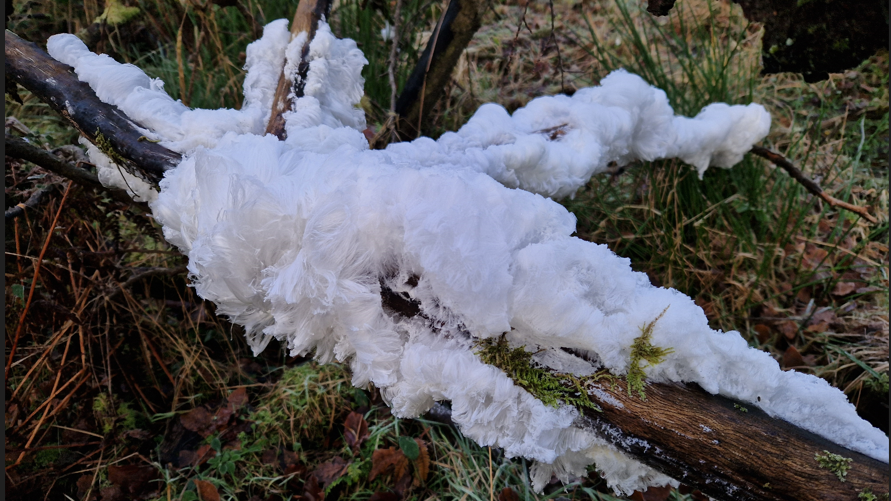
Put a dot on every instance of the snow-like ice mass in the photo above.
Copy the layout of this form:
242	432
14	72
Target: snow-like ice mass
296	240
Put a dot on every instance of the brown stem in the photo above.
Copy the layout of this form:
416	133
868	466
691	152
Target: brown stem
808	183
307	17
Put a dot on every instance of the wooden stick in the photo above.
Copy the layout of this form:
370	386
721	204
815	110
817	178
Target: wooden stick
306	19
808	183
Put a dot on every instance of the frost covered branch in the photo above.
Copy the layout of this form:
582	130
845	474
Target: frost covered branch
401	261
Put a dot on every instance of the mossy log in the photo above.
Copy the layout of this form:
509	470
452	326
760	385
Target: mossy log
706	441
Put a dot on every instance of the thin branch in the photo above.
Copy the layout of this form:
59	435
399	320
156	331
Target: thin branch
809	184
306	19
34	200
143	274
19	148
394	53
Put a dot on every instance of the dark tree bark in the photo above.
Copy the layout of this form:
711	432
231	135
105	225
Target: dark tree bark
426	84
102	124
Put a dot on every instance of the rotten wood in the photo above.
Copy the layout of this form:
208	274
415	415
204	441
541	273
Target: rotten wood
57	85
808	183
306	19
726	449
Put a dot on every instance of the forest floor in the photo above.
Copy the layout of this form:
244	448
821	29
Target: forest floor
125	385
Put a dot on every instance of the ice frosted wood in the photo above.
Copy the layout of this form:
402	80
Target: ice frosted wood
57	85
669	431
708	442
306	19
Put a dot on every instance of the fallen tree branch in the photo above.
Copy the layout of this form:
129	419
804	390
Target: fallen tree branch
703	440
809	184
307	17
724	449
426	84
102	124
19	148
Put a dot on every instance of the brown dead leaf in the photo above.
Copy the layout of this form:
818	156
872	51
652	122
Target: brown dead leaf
792	358
206	490
386	460
329	471
84	482
762	331
199	420
237	399
385	496
823	315
817	328
814	257
422	463
112	493
508	494
355	431
843	288
788	328
652	494
312	491
196	457
135	481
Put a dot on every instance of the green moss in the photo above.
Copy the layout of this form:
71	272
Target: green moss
115	13
834	463
643	351
105	147
127	416
46	457
740	408
550	387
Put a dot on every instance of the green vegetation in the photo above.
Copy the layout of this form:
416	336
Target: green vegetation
551	388
834	463
643	351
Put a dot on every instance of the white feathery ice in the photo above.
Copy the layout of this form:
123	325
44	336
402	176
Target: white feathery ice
295	240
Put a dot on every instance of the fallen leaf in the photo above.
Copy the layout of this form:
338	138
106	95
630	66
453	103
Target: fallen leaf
843	288
422	463
817	328
385	496
386	460
814	257
237	399
84	482
652	494
206	490
788	328
135	481
198	420
312	491
762	331
355	431
409	447
792	358
329	471
112	493
508	494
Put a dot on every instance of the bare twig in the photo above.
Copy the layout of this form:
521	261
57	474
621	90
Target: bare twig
809	184
143	274
19	148
19	208
394	53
